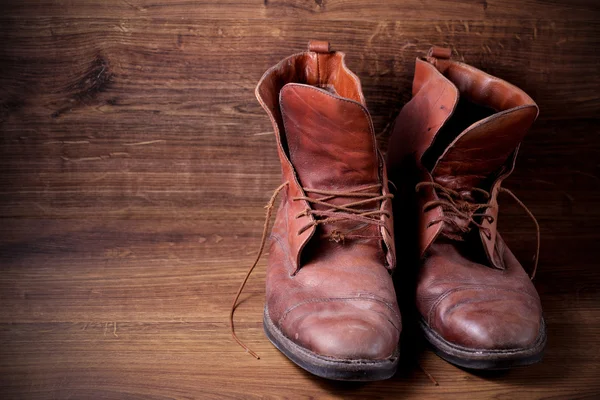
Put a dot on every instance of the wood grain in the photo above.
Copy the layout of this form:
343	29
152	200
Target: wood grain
136	161
316	10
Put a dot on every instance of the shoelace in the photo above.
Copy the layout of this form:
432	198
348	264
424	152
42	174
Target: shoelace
337	213
334	213
455	204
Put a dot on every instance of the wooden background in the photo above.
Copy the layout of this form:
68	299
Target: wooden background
135	163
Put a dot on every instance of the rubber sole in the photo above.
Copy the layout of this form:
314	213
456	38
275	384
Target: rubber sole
485	359
329	367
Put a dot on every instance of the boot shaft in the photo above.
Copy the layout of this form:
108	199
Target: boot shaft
326	143
461	130
462	123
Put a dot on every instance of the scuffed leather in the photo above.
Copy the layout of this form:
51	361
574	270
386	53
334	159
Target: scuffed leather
315	69
474	306
476	295
326	139
483	148
334	299
434	100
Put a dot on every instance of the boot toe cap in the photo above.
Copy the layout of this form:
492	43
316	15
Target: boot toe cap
496	323
344	329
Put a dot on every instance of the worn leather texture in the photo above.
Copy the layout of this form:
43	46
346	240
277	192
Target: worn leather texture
334	298
471	290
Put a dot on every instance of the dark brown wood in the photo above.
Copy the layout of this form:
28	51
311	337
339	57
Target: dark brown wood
136	161
321	10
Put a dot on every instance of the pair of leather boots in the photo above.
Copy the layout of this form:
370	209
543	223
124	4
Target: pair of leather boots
331	306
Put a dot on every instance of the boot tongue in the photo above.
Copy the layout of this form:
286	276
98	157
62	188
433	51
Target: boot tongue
330	140
475	157
332	147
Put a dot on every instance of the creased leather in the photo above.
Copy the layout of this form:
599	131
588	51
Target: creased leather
476	296
335	299
329	140
434	99
474	306
482	149
324	70
332	146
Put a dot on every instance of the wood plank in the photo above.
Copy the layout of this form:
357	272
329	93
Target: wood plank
318	10
157	270
57	74
189	176
190	359
86	303
82	133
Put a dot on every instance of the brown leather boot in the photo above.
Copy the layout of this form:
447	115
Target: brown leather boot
452	146
330	301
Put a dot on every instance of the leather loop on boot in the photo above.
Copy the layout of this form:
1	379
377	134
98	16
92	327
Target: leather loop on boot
319	46
444	53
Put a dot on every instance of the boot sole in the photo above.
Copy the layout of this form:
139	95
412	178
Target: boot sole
329	367
485	359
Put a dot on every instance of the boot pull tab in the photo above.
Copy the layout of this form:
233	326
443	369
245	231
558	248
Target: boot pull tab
443	53
439	57
319	46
